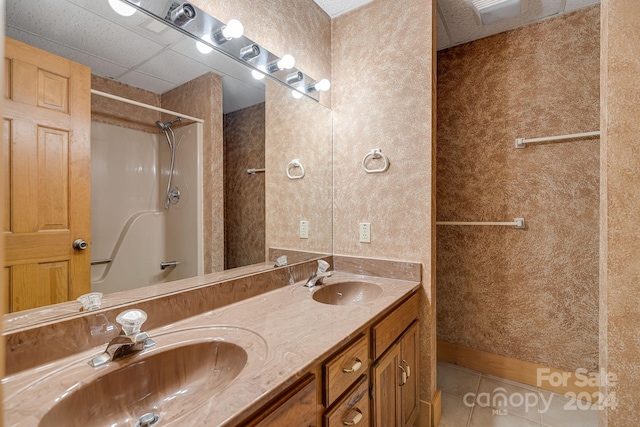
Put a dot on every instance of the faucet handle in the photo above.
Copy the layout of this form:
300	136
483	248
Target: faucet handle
131	321
323	266
90	301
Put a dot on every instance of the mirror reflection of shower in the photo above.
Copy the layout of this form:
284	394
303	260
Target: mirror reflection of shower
173	193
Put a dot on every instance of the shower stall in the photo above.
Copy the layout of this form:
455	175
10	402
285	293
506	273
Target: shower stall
146	205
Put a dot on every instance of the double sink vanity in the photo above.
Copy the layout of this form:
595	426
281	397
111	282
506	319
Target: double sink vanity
343	352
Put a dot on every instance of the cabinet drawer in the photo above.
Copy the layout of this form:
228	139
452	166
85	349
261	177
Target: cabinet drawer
343	369
353	409
297	407
389	329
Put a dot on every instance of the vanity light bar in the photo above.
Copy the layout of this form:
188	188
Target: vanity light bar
229	39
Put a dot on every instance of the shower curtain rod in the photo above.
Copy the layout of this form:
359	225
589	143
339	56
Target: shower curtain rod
143	105
522	142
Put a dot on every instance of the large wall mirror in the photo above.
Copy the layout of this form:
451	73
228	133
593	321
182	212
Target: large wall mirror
249	164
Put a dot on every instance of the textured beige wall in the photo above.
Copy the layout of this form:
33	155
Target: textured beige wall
530	295
620	204
298	27
202	98
112	112
244	193
297	129
382	98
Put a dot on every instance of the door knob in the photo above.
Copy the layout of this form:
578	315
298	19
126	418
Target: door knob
80	245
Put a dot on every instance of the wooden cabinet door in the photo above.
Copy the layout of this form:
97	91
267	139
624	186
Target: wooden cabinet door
386	390
409	348
46	141
297	407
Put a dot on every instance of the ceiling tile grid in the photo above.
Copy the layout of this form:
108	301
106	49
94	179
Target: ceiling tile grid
107	68
137	22
90	33
187	47
173	67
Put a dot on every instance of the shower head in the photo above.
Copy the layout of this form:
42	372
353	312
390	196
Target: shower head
165	126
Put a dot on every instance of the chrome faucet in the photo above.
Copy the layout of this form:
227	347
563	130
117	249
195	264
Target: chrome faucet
131	340
318	276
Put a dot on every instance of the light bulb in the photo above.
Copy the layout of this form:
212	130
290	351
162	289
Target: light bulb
204	48
287	62
257	74
296	94
323	85
121	8
233	30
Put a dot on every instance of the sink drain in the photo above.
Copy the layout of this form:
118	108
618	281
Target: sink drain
148	420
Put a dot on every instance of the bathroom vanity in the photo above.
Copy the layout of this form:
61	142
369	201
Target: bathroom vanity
370	381
279	358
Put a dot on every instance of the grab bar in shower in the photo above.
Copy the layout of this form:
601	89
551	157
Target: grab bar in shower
168	264
517	223
255	171
522	142
101	261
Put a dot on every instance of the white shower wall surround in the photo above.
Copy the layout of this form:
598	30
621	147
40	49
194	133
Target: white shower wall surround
129	171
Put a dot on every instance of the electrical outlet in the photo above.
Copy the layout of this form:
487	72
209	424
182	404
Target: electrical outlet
304	229
365	232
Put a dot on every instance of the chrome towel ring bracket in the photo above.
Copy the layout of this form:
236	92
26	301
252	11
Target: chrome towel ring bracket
376	153
293	165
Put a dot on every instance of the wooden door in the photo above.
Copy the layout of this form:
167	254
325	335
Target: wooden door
409	348
46	140
386	390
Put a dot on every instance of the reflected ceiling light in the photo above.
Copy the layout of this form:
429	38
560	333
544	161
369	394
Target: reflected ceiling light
183	14
295	78
203	47
296	93
233	30
257	74
121	8
321	86
286	63
250	52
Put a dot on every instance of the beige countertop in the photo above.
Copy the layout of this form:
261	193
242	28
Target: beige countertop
285	333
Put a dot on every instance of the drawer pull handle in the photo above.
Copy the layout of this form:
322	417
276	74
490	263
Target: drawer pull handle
355	419
404	376
356	366
408	368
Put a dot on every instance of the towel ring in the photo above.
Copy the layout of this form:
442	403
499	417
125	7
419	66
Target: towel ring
376	153
295	163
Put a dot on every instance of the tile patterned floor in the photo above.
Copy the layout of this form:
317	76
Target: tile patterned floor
473	399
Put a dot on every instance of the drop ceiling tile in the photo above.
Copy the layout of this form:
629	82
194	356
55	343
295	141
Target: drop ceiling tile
337	7
238	95
138	22
217	62
463	26
579	4
98	65
80	29
173	67
442	38
147	82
